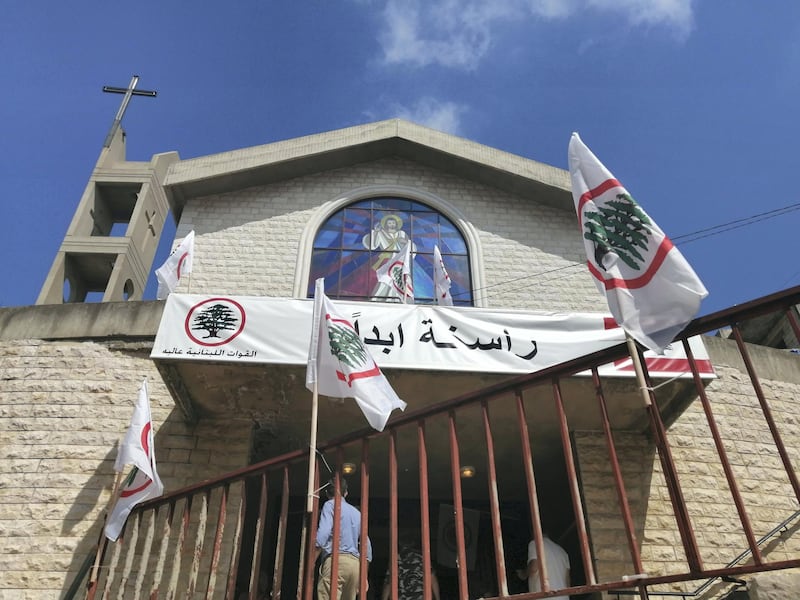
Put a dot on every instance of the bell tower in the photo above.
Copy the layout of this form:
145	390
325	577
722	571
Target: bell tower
111	242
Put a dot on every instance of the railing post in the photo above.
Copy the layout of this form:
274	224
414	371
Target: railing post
723	455
671	475
280	538
363	537
619	484
533	497
765	409
424	506
458	517
494	504
393	562
572	478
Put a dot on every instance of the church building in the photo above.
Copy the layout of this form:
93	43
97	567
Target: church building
523	414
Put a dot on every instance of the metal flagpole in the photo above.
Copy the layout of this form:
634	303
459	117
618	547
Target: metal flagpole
637	366
103	542
312	450
312	461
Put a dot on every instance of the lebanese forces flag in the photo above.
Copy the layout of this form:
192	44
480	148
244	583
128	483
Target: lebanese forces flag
340	365
441	280
395	274
136	449
651	289
176	266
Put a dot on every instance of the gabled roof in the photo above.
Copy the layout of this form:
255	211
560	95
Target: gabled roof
259	165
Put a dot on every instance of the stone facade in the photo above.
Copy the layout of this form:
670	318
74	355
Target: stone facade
248	242
65	406
66	398
761	479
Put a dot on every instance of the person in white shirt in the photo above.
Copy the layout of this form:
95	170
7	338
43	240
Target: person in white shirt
557	564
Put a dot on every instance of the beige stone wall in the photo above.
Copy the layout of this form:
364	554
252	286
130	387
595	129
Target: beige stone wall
163	556
64	407
248	242
761	479
775	586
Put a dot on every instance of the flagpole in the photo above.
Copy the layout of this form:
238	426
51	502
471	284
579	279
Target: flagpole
312	458
312	450
637	366
101	545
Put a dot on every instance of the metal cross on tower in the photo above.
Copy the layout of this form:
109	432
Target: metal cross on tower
129	92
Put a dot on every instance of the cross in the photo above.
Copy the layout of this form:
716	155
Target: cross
129	92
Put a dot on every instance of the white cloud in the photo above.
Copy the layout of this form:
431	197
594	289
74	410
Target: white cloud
458	33
434	33
676	14
433	113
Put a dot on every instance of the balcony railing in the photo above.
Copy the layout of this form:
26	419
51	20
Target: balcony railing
247	534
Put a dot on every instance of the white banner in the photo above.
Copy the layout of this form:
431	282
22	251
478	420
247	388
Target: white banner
277	331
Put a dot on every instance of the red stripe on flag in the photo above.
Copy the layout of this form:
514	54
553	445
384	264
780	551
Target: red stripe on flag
642	280
661	254
130	492
146	439
601	189
180	263
375	370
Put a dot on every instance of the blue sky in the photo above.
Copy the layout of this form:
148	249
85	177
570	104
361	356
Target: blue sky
693	105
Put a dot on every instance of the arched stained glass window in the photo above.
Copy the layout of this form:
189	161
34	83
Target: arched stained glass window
355	242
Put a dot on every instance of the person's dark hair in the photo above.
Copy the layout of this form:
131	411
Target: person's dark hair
330	489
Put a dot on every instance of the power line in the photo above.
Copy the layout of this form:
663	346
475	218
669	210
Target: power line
680	240
709	231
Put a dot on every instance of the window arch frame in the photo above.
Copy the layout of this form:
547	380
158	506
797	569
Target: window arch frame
436	203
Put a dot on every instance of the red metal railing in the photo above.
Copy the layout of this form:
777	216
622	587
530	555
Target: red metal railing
238	536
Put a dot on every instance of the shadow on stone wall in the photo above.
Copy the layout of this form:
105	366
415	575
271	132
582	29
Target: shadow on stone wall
100	485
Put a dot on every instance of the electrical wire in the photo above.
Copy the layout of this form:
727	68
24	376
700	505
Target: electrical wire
680	240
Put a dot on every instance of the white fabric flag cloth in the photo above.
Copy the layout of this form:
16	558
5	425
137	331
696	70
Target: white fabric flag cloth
137	450
441	280
176	266
342	367
651	289
395	275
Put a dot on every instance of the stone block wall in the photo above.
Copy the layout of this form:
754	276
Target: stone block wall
248	241
760	477
64	408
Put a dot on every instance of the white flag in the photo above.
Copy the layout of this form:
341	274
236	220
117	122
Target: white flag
137	450
394	276
651	289
342	367
441	280
176	266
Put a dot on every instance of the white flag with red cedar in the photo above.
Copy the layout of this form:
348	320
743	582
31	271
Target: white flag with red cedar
136	449
176	266
651	289
395	275
341	366
441	280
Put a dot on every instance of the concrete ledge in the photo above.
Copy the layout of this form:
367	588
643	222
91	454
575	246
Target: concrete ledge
775	586
81	320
